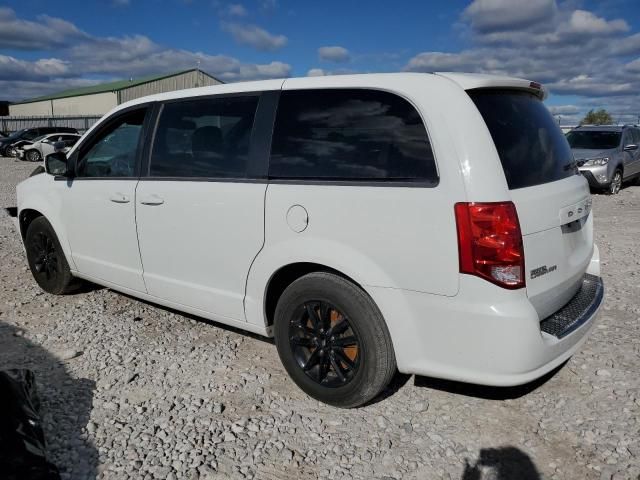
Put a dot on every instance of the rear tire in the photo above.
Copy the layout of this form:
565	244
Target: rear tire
333	340
46	259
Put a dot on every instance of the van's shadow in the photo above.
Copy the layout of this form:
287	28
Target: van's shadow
503	463
483	391
66	403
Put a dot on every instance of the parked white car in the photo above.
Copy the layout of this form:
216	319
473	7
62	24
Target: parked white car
431	223
45	145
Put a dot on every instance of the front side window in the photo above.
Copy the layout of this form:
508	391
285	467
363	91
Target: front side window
350	134
114	151
207	138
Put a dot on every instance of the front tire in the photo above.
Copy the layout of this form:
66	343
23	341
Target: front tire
46	258
33	155
333	340
616	182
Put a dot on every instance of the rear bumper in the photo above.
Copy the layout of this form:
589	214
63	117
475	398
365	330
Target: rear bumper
468	338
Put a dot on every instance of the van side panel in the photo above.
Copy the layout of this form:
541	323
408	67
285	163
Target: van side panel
400	237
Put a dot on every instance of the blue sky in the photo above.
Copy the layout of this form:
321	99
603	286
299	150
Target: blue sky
586	52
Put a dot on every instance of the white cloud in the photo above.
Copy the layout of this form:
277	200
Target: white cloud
45	34
237	10
255	37
44	69
582	22
334	54
564	109
316	72
81	54
487	16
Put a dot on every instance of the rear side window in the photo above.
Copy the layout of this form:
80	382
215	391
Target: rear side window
530	144
204	138
350	134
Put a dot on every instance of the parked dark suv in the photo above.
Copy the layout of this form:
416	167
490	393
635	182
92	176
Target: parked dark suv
30	134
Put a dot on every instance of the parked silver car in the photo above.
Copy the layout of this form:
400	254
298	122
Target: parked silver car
606	155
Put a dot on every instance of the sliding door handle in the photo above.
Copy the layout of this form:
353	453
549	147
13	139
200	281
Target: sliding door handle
119	198
151	200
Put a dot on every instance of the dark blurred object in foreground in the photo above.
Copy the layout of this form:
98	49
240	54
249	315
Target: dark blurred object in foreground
22	446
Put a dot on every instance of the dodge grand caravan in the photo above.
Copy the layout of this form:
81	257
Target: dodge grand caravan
434	224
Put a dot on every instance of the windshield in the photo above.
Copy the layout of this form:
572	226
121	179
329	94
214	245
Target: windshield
41	137
530	144
593	139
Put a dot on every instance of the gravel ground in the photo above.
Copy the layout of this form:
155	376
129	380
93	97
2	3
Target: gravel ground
132	390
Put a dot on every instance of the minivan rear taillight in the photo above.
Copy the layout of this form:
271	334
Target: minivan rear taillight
490	242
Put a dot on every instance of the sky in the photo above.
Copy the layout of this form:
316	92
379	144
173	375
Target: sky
585	52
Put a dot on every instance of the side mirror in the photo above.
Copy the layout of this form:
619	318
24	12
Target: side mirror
57	164
630	147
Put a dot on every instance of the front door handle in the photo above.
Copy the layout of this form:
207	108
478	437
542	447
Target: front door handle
119	198
151	200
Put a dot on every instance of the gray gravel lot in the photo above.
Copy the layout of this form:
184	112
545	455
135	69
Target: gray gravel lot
132	390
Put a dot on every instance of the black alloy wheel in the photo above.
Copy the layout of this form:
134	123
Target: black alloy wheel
46	259
332	340
45	256
324	344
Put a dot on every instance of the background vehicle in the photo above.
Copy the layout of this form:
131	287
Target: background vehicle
42	146
433	222
607	155
6	144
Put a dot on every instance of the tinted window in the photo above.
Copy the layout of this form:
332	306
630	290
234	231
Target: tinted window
204	138
31	134
627	138
113	151
530	144
593	139
350	135
636	136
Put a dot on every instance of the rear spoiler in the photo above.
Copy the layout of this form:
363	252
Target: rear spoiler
470	81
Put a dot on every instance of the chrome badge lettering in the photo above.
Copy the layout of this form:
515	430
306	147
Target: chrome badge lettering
543	270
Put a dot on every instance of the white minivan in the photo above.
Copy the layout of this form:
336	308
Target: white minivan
434	224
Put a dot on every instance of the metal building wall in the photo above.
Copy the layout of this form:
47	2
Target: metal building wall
95	104
189	79
42	108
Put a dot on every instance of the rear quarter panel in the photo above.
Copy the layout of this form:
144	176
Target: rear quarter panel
387	237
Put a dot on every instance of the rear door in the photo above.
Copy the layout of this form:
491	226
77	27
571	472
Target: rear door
200	208
551	198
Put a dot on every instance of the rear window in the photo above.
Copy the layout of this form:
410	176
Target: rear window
530	144
352	135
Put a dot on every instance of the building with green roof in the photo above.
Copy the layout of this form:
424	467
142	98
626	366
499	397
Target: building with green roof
99	99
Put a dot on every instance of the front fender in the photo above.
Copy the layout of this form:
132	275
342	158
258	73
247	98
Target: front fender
39	193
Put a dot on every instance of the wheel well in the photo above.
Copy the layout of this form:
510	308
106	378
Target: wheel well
285	277
26	217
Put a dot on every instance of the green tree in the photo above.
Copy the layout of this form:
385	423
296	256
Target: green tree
597	117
